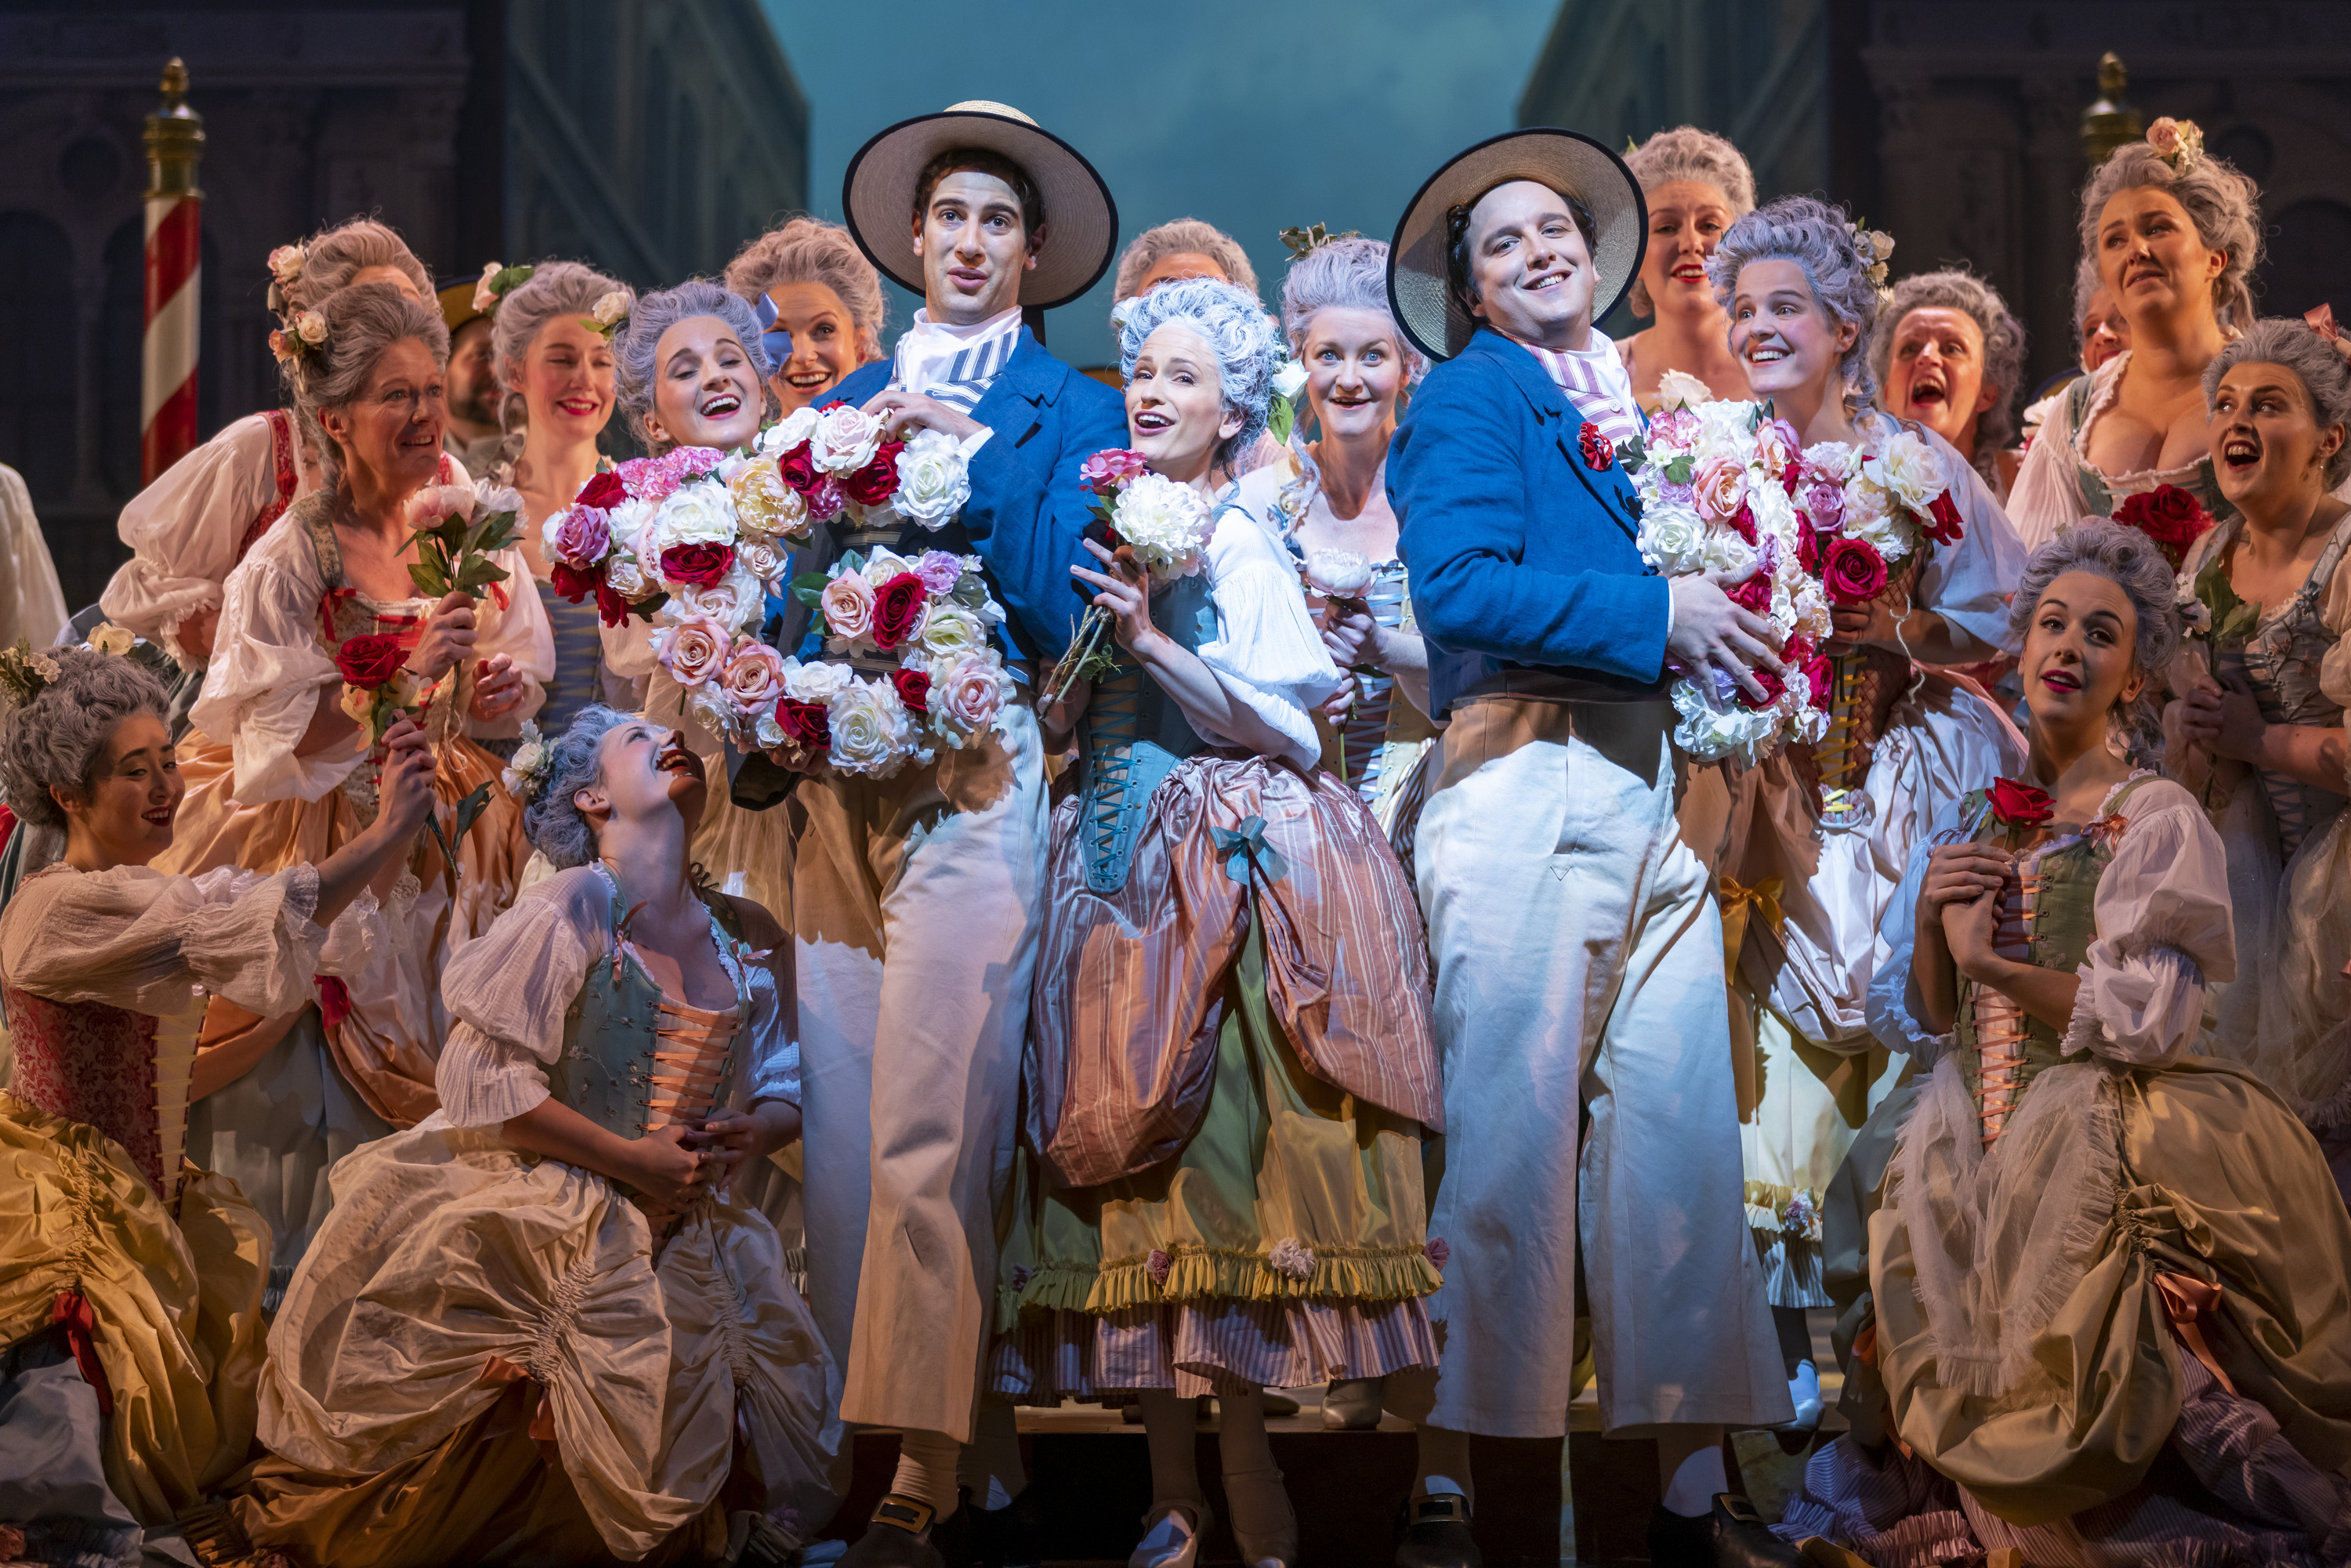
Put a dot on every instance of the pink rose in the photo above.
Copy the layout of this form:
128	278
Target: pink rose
1822	501
1673	429
1719	487
1105	471
1778	444
584	538
971	694
845	439
826	500
693	650
753	679
939	571
847	606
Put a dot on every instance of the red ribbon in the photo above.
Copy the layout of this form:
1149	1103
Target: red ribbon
334	1000
72	1309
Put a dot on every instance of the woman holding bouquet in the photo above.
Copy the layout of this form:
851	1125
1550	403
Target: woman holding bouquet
2107	1300
2257	727
280	773
1915	556
1224	1191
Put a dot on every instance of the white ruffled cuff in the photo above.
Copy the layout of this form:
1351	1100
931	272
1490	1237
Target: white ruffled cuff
485	1083
2135	1010
260	949
185	657
778	1077
366	933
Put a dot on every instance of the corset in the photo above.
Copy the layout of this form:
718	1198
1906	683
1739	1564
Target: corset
122	1072
1135	735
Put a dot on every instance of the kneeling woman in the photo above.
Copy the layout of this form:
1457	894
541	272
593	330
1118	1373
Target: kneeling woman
2110	1315
115	1253
552	1257
1232	1064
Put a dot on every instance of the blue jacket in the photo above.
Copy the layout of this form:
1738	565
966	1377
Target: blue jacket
1026	509
1521	555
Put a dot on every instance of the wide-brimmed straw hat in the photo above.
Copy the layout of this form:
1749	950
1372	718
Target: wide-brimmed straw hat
877	196
457	305
1563	159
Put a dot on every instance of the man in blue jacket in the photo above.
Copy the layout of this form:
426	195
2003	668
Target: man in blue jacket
918	898
1578	944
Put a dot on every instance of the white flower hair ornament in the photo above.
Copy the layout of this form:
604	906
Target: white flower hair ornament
2179	142
1289	383
299	338
1876	247
610	316
286	265
525	774
498	282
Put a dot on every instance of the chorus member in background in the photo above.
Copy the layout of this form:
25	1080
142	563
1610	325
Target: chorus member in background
2099	331
115	1250
278	772
1816	831
1696	185
32	605
1231	1208
2256	728
1948	354
2177	233
537	1328
1182	247
195	522
828	303
1576	939
473	436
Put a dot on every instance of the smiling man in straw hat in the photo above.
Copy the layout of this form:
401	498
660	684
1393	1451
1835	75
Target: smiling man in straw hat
1578	946
917	899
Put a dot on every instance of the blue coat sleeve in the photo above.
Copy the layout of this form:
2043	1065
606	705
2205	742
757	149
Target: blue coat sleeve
1457	480
1027	509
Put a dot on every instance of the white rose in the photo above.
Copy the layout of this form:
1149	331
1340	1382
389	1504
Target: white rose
628	579
871	731
529	757
693	514
612	307
285	262
1886	530
1834	460
932	481
885	564
629	521
765	731
1723	550
311	328
1674	537
845	439
763	558
1723	431
950	632
813	682
1168	524
737	600
1680	388
1906	466
1337	573
1290	380
788	432
492	499
115	640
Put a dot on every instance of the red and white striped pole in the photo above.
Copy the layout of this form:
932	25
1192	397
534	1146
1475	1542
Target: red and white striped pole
167	372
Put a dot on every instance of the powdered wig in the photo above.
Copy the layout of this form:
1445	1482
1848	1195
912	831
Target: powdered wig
59	737
574	762
2136	564
1342	275
332	257
2003	347
362	323
809	250
1819	239
2283	340
556	290
655	314
2223	203
1153	245
1698	157
2086	284
1237	330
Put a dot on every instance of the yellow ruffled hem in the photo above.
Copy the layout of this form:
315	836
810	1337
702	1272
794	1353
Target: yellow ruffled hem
1196	1274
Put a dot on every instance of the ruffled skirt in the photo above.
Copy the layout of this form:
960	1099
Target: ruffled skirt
452	1269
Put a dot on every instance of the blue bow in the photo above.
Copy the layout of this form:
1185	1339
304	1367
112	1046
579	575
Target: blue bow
776	340
1244	847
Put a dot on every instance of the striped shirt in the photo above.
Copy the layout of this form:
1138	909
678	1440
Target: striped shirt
1595	382
956	365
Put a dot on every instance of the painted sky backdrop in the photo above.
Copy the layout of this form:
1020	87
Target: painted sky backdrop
1254	115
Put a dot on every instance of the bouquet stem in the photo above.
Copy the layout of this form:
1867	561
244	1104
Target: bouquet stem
1083	650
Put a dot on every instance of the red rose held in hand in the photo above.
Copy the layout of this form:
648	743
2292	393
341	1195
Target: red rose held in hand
1598	456
898	610
1754	595
878	480
369	661
2020	805
1853	571
806	723
697	565
603	492
913	690
1773	686
2169	516
1943	520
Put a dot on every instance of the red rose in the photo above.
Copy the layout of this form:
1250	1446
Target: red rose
697	565
603	492
1754	594
898	610
1808	546
369	661
914	689
1852	572
1792	477
2169	516
1819	675
878	480
1743	521
799	469
1773	686
1598	454
806	723
611	608
2020	805
574	583
1943	525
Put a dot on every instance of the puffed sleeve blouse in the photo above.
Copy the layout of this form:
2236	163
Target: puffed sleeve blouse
1967	584
1267	651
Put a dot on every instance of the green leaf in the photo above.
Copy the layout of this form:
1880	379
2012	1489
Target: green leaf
498	532
807	595
1634	454
970	593
851	562
812	584
428	579
469	812
1281	419
1679	470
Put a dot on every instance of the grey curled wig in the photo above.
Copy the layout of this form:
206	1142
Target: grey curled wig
2136	564
1342	275
1152	245
551	821
332	257
1687	155
2003	347
363	322
1819	239
2324	377
809	250
1237	330
59	737
556	288
636	349
2224	204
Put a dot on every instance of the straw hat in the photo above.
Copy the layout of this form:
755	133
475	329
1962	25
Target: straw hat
457	305
1563	159
877	196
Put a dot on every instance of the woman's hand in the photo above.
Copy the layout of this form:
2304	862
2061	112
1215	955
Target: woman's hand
448	637
2226	723
497	689
660	1167
1352	636
405	787
1968	933
735	1139
1957	874
1873	625
1341	703
1126	595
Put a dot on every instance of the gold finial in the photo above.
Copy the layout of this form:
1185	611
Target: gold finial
2111	122
175	137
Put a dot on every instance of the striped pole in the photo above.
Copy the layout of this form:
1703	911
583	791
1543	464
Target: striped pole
167	372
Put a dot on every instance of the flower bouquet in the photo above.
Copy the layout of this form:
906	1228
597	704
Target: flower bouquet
1166	525
1714	478
836	462
1865	510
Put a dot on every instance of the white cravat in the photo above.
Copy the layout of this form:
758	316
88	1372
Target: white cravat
956	364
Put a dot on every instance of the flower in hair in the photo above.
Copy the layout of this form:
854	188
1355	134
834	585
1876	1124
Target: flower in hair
25	673
525	773
610	315
497	283
111	639
1876	247
1305	242
285	262
2179	142
305	335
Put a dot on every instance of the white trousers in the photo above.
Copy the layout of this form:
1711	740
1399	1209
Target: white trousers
916	904
1579	967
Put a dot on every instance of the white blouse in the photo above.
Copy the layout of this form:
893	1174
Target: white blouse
137	939
32	606
1968	583
1267	651
512	992
2163	930
270	670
